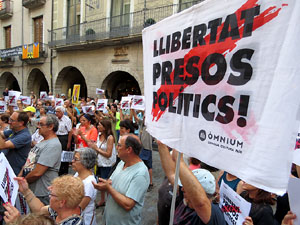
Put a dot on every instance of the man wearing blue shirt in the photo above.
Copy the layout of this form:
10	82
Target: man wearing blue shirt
17	141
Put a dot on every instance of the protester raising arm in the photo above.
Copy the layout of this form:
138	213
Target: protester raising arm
167	163
35	205
195	194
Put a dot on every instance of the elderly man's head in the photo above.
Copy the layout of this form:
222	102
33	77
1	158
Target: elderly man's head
128	146
59	111
48	125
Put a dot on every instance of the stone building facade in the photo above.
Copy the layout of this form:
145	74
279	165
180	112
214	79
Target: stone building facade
94	43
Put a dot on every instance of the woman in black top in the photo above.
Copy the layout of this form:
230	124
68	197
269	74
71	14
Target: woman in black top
261	201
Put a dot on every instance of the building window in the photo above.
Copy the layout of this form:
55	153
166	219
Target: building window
120	13
38	29
184	4
7	33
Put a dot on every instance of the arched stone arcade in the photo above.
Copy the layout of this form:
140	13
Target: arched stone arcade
37	82
120	83
8	80
66	79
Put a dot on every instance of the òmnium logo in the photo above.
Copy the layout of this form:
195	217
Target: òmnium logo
202	135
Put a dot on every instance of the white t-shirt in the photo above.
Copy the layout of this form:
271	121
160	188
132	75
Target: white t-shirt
91	192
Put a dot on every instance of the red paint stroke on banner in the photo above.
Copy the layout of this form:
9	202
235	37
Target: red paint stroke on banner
223	48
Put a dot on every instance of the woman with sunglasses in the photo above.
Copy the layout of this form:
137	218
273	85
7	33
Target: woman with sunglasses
83	162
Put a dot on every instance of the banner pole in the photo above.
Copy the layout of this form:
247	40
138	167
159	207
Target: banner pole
175	188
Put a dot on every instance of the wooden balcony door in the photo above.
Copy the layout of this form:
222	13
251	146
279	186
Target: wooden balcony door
7	31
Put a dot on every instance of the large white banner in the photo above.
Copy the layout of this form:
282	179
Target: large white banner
221	85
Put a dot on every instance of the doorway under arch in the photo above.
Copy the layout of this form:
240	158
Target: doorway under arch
66	79
8	80
120	83
37	82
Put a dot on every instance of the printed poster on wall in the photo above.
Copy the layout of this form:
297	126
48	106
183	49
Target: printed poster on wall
223	86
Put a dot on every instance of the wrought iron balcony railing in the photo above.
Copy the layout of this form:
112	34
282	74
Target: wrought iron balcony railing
126	25
6	10
30	4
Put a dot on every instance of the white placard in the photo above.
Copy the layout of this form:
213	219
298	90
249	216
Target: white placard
211	92
6	98
294	200
59	102
67	156
50	98
43	95
13	97
3	107
8	186
101	104
25	100
138	102
88	109
100	91
125	102
235	209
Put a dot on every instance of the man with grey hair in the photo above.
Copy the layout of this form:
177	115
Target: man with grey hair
64	135
44	159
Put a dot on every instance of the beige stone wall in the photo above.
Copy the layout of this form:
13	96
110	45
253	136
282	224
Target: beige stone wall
21	73
96	65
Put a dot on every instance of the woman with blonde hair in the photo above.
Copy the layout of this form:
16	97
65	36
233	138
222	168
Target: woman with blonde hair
65	192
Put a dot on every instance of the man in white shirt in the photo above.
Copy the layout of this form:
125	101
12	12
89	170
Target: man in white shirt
64	135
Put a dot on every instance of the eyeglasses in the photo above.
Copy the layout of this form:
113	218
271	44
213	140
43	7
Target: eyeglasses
76	159
41	124
11	120
51	195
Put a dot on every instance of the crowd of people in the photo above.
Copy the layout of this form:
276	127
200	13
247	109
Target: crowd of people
112	154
